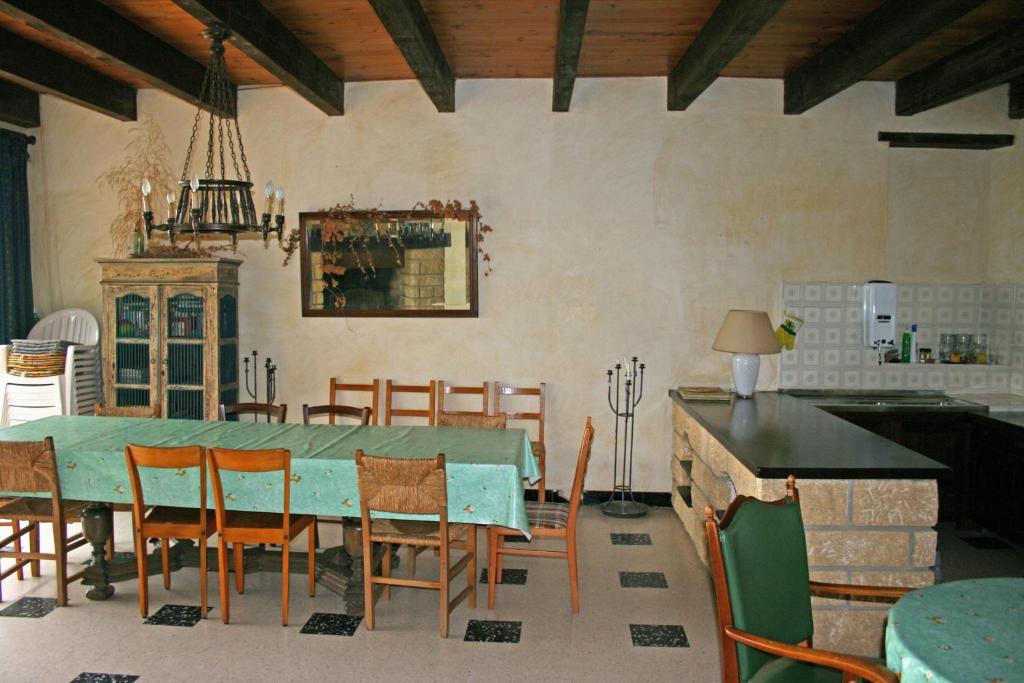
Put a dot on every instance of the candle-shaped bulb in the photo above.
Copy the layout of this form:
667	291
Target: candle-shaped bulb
146	189
170	205
194	186
268	192
280	200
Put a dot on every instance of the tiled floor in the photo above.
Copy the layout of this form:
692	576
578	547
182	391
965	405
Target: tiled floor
637	633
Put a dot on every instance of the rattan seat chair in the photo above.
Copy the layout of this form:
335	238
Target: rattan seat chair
166	522
413	486
503	392
547	520
31	467
362	415
758	559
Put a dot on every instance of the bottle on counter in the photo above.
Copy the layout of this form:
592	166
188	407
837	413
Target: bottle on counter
913	343
905	348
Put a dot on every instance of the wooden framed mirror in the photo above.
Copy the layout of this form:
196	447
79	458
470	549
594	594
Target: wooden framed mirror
388	264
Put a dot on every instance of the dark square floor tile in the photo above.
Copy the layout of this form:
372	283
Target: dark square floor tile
493	631
642	580
326	624
87	677
32	608
986	542
513	577
631	539
176	615
654	635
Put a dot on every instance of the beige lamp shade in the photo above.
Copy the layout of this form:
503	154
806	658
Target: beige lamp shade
746	332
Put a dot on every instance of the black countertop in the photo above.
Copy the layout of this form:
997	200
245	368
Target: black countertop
1008	418
775	435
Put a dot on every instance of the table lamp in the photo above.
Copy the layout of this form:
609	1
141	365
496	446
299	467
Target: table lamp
746	334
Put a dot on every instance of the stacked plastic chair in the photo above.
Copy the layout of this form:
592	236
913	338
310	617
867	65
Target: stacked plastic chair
72	392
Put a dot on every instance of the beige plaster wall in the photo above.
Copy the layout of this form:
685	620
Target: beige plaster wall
619	228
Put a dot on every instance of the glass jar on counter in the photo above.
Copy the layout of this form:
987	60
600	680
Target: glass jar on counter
963	349
981	352
946	343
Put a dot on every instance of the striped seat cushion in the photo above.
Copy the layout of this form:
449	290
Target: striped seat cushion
547	515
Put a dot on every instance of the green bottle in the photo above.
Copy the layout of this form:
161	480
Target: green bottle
138	243
905	354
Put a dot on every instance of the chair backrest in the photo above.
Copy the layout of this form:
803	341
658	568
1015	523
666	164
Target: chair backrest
126	411
373	388
30	467
411	486
268	460
445	390
166	458
581	473
390	411
758	557
478	421
362	414
234	410
72	324
506	390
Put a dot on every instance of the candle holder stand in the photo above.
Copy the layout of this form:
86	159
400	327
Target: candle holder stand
270	387
627	394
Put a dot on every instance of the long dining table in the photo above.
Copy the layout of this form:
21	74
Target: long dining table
485	467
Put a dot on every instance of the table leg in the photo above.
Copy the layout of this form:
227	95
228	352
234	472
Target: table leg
97	526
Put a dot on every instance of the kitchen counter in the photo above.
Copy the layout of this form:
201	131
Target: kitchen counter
1013	419
775	435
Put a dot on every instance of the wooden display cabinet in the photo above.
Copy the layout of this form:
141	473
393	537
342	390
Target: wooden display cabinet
170	334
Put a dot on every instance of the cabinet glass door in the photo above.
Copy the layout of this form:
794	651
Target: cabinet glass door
184	355
228	352
133	347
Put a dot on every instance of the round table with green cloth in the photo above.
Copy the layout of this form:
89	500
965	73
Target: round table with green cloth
958	632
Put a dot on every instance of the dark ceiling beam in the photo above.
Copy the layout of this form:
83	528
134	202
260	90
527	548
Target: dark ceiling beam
18	106
1017	99
409	27
572	20
989	62
33	65
880	36
945	140
725	34
264	39
104	34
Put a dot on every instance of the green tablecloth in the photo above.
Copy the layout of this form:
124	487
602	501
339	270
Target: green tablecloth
485	467
958	632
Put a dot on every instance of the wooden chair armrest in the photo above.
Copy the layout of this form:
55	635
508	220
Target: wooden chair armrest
850	589
833	660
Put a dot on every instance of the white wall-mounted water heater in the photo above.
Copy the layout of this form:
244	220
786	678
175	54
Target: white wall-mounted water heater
879	314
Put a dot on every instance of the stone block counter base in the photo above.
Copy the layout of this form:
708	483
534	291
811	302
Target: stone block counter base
869	506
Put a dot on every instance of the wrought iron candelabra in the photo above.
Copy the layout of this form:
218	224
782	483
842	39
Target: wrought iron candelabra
628	390
270	389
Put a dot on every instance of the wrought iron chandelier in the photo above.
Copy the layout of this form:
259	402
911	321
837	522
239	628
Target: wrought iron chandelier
217	205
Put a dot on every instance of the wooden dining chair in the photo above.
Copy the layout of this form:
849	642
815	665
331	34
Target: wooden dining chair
391	390
14	526
758	559
233	411
166	522
339	389
547	520
414	486
100	410
503	392
449	392
31	467
479	421
363	415
240	527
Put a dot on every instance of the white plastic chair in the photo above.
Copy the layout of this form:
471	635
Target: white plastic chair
75	392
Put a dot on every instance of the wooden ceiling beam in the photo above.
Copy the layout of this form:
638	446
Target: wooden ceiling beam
989	62
264	39
410	29
572	20
945	140
725	34
18	106
1016	109
880	36
104	34
32	65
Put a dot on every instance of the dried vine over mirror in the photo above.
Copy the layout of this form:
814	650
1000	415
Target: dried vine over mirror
370	262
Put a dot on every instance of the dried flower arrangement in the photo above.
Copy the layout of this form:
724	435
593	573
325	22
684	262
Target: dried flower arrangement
146	156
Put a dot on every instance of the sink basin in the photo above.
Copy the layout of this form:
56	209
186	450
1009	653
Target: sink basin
885	400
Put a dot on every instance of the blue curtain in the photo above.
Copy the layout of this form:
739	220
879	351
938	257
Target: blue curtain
16	316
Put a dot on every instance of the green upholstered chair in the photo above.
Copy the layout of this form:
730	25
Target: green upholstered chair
758	558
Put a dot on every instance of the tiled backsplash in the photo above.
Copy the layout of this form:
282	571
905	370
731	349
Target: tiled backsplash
829	351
